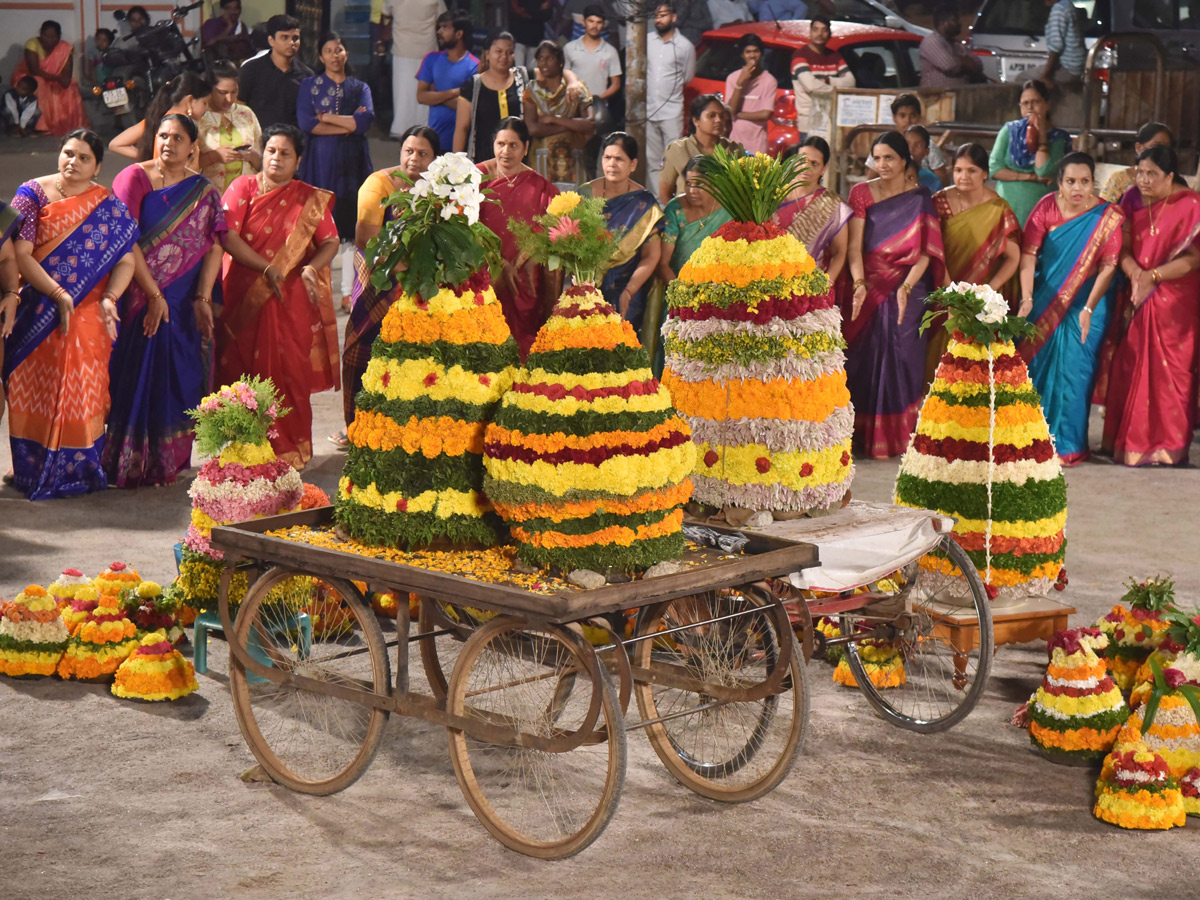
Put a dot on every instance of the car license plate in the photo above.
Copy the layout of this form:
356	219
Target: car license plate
116	97
1015	68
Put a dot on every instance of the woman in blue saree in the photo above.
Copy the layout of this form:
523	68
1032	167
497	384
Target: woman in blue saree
631	210
157	371
75	254
1071	249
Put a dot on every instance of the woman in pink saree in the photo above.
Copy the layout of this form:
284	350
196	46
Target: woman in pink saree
48	58
1150	390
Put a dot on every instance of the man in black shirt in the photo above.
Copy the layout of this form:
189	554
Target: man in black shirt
268	84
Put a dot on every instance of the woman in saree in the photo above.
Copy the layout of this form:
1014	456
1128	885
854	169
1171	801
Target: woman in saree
895	260
526	290
631	208
158	370
980	235
75	254
419	146
817	217
10	281
1151	390
278	321
186	93
48	58
1027	152
559	115
1072	244
1152	134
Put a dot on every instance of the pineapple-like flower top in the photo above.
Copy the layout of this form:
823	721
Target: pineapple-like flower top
750	188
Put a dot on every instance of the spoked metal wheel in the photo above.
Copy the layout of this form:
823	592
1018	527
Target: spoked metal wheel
305	738
452	625
543	759
721	681
928	612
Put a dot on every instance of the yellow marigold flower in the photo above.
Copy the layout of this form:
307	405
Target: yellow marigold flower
563	203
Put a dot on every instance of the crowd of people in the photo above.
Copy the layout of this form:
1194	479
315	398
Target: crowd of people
211	257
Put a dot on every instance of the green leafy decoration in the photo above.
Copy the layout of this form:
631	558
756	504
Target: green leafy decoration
241	412
961	308
751	188
584	251
1156	594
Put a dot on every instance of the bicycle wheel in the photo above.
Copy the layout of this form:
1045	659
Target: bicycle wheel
305	739
544	682
945	665
438	654
726	749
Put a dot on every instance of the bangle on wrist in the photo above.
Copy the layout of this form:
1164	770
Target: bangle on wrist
859	283
1155	277
200	298
1086	309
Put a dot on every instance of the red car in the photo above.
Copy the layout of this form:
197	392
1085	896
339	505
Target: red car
879	58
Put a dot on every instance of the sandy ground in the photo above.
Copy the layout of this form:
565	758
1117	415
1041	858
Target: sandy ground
122	799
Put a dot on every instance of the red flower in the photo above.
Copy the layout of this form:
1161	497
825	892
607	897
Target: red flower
992	591
485	380
75	573
401	505
806	470
1174	678
845	457
420	302
763	465
431	379
117	567
386	378
1196	620
710	458
479	301
349	487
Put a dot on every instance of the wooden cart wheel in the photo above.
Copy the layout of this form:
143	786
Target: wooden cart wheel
438	654
727	749
546	682
946	663
307	740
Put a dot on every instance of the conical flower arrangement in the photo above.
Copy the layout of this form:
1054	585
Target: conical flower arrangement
155	671
755	356
66	585
32	636
1077	711
982	452
587	460
1137	791
1143	629
116	578
103	641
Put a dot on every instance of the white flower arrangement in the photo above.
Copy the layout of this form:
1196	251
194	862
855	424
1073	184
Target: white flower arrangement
979	311
454	180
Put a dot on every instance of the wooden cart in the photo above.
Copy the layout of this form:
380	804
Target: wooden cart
533	690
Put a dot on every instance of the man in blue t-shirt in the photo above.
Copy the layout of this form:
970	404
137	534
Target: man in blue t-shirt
443	72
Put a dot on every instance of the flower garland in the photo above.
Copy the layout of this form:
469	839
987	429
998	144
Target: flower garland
414	472
982	452
32	636
587	461
155	671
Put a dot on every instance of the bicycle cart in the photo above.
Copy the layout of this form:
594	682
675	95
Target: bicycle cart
534	689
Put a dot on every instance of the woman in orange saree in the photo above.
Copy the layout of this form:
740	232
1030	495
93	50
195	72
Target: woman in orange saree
279	323
1151	347
48	59
75	254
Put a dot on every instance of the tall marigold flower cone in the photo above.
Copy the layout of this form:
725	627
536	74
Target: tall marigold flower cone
1077	712
414	473
32	636
946	468
586	459
755	358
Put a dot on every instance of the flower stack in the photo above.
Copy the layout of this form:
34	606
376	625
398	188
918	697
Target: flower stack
153	609
755	356
586	458
1168	712
86	599
982	452
1143	629
443	358
32	636
242	480
155	671
64	588
102	642
1189	786
1077	711
1136	790
115	579
882	662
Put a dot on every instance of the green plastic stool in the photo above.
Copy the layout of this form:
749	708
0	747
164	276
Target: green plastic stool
211	621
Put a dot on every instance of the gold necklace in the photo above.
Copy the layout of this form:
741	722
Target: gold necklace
161	174
58	186
1150	213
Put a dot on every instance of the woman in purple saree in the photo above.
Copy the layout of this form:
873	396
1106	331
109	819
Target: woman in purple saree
895	259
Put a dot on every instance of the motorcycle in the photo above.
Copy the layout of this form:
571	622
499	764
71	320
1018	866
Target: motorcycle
158	54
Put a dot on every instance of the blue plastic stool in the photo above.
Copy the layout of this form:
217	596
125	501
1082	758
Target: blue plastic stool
211	621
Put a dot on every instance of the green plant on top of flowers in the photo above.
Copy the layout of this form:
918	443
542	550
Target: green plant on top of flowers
1184	630
436	237
751	188
242	412
572	234
1156	594
978	311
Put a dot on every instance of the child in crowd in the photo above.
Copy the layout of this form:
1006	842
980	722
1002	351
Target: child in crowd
918	145
906	112
20	110
95	69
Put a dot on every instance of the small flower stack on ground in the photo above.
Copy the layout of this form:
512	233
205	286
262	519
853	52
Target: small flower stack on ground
155	671
1077	711
66	585
241	480
414	473
586	459
103	641
947	468
755	356
1143	630
153	609
116	578
32	636
881	660
1136	790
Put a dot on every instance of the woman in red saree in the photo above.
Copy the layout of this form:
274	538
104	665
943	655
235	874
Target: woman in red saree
75	253
525	290
1150	392
895	260
48	59
278	323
